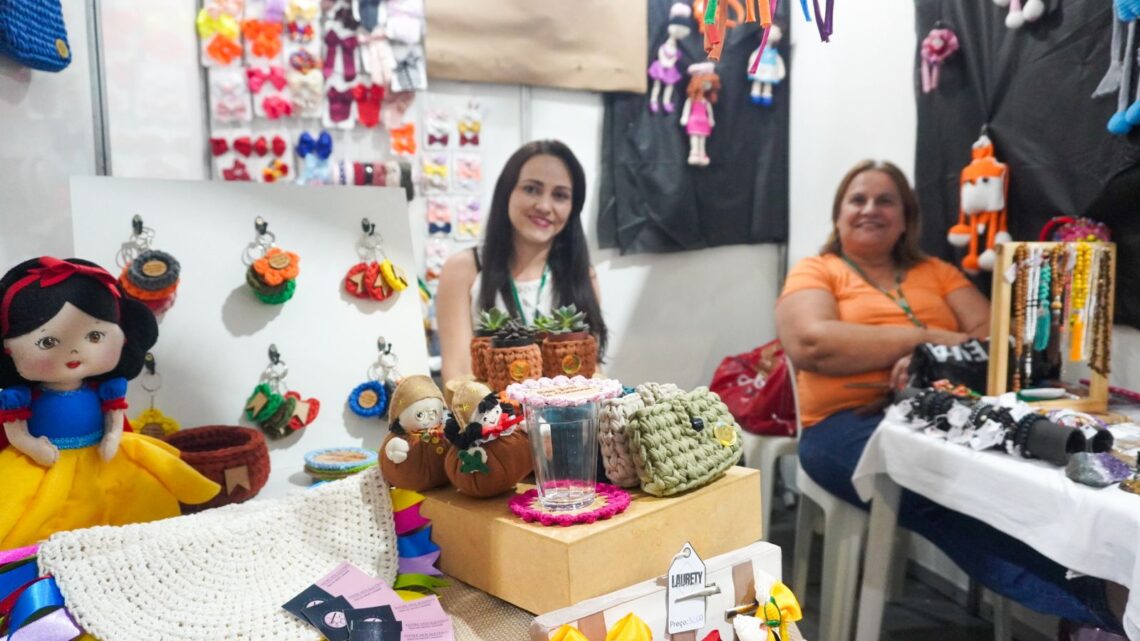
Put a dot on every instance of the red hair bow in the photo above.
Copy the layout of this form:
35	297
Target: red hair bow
51	272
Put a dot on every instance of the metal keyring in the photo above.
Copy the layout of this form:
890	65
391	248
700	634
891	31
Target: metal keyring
157	385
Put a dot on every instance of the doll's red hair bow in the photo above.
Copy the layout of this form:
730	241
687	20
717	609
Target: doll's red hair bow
53	271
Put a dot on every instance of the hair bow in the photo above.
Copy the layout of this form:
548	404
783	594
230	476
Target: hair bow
432	169
275	171
470	212
438	210
300	32
305	144
223	49
346	18
937	46
243	146
435	252
468	126
53	271
219	146
257	77
229	110
236	172
468	229
220	23
303	61
298	12
466	140
276	107
264	37
279	146
218	7
403	139
441	140
406	67
469	169
435	229
772	616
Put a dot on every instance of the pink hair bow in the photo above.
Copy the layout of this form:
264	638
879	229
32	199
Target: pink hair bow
258	77
937	46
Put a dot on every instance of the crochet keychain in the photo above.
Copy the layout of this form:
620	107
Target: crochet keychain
276	410
1118	78
769	69
272	272
152	421
370	398
664	68
697	114
149	276
1020	13
985	187
371	278
937	46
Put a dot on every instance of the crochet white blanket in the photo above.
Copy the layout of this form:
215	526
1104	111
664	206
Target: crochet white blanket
222	574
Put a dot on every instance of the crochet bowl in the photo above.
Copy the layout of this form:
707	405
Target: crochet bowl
236	458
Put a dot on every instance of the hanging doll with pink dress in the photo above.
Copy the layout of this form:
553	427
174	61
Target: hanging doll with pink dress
664	70
697	114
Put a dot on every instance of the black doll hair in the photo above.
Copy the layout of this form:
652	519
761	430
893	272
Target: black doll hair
464	438
32	306
488	403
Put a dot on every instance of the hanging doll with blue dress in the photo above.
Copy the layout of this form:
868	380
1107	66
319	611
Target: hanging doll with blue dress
70	342
768	71
664	69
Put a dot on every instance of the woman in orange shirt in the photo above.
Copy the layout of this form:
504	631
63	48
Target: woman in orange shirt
849	320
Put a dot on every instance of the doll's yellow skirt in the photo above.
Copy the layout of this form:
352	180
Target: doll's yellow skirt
145	481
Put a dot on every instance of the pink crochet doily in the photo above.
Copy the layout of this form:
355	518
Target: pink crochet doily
610	500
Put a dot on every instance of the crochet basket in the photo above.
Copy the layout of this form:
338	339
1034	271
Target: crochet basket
32	33
513	365
613	430
480	346
573	357
684	442
220	452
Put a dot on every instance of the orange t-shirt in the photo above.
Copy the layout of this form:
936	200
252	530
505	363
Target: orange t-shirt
925	286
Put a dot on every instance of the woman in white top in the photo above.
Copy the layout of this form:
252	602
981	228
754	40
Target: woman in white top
534	254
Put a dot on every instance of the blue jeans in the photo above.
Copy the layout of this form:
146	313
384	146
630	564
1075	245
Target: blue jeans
829	452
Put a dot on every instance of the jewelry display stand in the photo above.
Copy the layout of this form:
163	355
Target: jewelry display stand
1002	315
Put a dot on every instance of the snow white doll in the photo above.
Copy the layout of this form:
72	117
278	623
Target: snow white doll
70	342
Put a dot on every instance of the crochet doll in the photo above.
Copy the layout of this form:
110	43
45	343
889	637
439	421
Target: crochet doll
770	70
71	340
984	188
697	114
414	450
491	453
664	68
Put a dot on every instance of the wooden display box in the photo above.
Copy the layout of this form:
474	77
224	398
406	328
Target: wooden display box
541	569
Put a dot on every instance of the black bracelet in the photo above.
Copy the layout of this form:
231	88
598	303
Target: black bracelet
1021	439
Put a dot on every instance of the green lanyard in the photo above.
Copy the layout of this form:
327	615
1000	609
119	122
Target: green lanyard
899	299
537	299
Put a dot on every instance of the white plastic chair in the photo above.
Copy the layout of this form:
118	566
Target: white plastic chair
764	452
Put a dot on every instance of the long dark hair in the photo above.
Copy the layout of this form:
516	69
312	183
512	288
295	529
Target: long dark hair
905	253
33	306
569	258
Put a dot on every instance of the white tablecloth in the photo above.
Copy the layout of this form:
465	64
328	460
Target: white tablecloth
1088	530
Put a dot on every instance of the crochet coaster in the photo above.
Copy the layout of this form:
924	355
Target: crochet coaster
609	501
561	391
338	462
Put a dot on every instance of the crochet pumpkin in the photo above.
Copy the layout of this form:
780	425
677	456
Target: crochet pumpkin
491	454
412	456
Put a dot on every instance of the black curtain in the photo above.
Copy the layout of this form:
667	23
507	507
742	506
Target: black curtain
1032	89
653	201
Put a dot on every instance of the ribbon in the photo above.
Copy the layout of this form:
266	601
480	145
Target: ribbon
437	140
781	609
768	30
630	628
413	581
235	110
568	633
221	23
405	68
439	228
264	37
417	544
223	49
258	77
409	520
423	564
53	271
17	554
42	595
56	626
403	139
823	21
14	576
404	499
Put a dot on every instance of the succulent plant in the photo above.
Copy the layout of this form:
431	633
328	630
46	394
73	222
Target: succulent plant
544	323
492	320
568	320
514	332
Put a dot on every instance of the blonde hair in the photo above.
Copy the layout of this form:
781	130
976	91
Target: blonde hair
905	252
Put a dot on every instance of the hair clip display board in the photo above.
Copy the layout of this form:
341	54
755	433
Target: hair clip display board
213	343
1052	305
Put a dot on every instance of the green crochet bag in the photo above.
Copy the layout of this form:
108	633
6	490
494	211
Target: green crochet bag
683	442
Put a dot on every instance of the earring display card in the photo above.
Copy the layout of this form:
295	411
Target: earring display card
213	342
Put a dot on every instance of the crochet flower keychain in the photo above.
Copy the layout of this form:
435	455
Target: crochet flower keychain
277	411
370	398
937	46
152	421
149	276
372	278
272	273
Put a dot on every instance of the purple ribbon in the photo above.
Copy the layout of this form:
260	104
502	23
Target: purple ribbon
424	564
56	626
764	38
822	21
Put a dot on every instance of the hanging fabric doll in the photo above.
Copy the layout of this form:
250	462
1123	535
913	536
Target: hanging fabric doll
985	186
664	68
697	114
491	453
1020	14
936	47
766	69
71	340
414	450
1119	75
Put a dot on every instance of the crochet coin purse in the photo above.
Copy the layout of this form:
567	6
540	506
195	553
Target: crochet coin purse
684	442
33	34
613	429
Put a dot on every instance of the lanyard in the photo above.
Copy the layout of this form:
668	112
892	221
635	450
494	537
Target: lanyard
898	299
537	298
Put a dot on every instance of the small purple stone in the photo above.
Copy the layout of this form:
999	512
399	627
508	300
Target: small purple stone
1097	470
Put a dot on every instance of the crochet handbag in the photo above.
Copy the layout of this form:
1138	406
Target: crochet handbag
32	33
683	442
613	430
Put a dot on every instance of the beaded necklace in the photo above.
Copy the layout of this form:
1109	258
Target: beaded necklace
1041	342
1102	324
1020	287
1078	298
1053	352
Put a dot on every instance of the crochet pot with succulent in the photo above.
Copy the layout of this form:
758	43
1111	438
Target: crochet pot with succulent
570	349
515	356
412	457
490	454
490	322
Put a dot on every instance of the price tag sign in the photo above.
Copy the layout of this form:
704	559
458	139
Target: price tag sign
686	592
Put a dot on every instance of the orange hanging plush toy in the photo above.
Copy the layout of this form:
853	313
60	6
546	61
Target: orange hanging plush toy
984	190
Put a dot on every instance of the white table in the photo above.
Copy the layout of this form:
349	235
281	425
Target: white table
1088	530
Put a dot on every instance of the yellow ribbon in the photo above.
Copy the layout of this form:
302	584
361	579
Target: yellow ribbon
568	633
781	609
432	169
223	23
630	628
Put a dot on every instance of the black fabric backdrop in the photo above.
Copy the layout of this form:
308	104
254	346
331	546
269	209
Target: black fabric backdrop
653	201
1033	88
